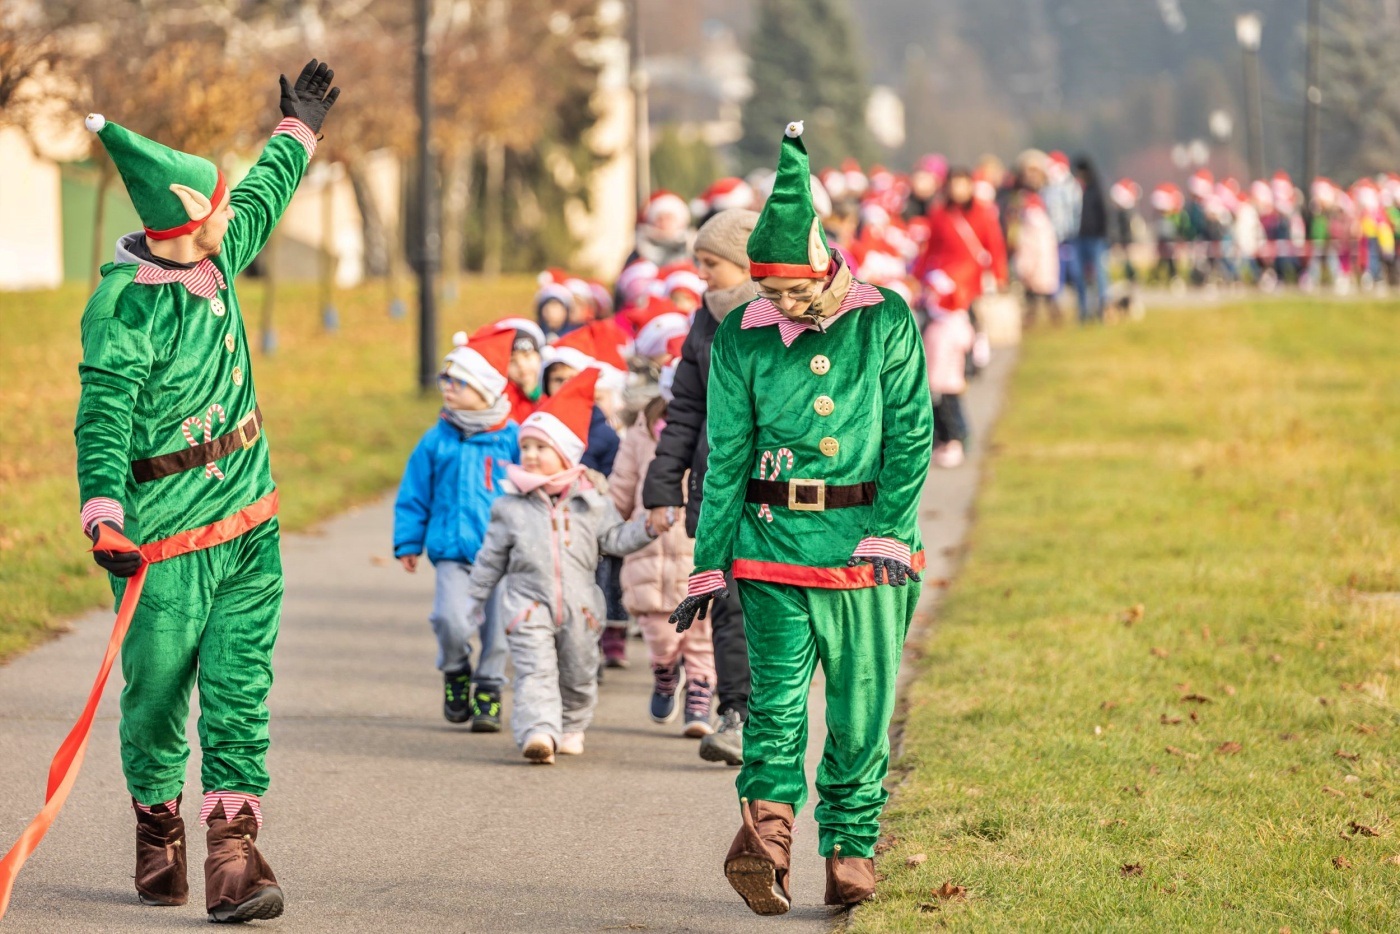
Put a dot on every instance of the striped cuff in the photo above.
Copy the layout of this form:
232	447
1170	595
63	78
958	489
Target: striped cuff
173	806
705	582
885	548
231	802
299	131
101	509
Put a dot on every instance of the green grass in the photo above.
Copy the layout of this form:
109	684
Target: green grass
1235	472
343	412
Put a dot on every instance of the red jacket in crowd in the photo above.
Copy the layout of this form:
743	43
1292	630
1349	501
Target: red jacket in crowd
963	242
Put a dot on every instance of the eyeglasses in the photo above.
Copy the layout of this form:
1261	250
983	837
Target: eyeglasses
446	382
800	294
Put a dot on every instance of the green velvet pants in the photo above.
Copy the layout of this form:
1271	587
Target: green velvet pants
858	636
209	618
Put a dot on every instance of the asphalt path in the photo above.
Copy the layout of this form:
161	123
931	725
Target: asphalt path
384	817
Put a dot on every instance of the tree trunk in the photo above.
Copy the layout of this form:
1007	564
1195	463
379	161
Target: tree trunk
494	207
375	230
456	202
99	217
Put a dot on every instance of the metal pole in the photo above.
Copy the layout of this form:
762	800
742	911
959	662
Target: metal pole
428	238
640	126
1254	102
1313	102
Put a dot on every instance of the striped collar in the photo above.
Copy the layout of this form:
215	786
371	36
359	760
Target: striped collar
203	279
762	313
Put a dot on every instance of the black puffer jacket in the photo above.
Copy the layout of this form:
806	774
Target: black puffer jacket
684	443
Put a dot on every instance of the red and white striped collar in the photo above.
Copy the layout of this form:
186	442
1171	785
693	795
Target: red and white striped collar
203	279
762	313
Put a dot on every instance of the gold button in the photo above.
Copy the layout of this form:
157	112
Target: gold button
228	343
238	378
824	406
829	446
216	305
821	365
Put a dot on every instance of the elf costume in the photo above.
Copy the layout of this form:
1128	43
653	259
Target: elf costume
819	428
171	453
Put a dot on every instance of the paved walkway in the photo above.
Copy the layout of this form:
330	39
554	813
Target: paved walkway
382	817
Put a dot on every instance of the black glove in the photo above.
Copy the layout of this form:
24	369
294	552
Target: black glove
889	571
693	608
307	100
120	563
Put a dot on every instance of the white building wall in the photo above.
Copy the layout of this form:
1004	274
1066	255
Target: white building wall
31	236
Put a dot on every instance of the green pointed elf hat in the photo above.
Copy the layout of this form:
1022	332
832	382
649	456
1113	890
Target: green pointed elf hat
788	239
173	192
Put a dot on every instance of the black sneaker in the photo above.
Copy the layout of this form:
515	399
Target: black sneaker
457	696
486	711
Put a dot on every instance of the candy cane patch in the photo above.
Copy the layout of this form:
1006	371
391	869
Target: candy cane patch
763	511
194	423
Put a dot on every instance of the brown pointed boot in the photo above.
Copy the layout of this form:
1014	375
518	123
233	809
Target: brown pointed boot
761	856
160	856
849	879
238	882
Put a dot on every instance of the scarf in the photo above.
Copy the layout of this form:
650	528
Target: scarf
475	422
527	482
720	302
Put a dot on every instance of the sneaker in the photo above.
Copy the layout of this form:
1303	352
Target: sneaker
571	744
614	644
668	683
727	743
486	711
949	455
539	749
457	695
697	709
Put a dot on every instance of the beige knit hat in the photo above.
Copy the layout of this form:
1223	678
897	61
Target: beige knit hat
727	235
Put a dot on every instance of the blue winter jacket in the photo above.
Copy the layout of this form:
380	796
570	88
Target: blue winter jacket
448	487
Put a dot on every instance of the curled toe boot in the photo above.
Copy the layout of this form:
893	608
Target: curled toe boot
238	882
760	858
160	856
849	879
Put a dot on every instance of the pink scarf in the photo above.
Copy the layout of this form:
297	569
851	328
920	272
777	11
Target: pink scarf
527	482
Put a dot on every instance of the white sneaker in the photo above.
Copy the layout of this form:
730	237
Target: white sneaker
539	749
949	455
571	744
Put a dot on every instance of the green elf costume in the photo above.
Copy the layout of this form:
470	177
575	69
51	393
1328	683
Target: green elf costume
171	453
820	429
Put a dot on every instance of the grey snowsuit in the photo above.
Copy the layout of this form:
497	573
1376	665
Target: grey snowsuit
543	553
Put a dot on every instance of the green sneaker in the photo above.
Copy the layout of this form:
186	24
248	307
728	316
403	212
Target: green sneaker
486	711
456	699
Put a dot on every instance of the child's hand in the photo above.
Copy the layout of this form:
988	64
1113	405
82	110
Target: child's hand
409	562
661	518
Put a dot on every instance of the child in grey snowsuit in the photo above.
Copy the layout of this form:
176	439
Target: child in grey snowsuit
540	556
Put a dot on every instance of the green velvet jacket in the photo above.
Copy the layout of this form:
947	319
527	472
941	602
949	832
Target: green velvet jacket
165	357
846	405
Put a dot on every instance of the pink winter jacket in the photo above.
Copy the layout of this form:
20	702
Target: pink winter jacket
1038	252
653	579
947	340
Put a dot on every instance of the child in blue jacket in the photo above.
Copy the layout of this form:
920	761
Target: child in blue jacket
443	506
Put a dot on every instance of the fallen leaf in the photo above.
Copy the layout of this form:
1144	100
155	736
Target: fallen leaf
1276	658
1135	789
1392	860
942	583
1288	737
380	561
1365	729
948	891
1349	756
1333	791
1172	750
1363	830
882	846
1285	930
1108	705
1229	689
918	859
1131	615
930	906
1368	794
1130	869
1195	717
1323	701
1228	749
1170	721
1160	652
1341	862
1196	699
1112	822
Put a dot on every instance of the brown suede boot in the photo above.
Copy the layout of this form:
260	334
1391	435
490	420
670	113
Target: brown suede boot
849	879
761	856
160	856
238	882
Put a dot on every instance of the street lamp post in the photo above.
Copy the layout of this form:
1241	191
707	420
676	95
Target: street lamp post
1313	101
1249	29
427	232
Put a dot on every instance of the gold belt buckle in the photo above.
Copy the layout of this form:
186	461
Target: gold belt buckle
797	484
249	431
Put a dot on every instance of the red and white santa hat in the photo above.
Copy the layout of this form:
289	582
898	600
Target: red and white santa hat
663	204
1202	183
1125	193
481	364
521	327
552	286
562	420
634	281
834	181
682	277
656	334
856	180
731	192
1166	198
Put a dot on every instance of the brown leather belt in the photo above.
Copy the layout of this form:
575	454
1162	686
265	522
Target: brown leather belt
244	435
809	495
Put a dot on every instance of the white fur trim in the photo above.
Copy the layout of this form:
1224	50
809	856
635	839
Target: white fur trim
570	445
569	356
95	122
471	367
794	129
